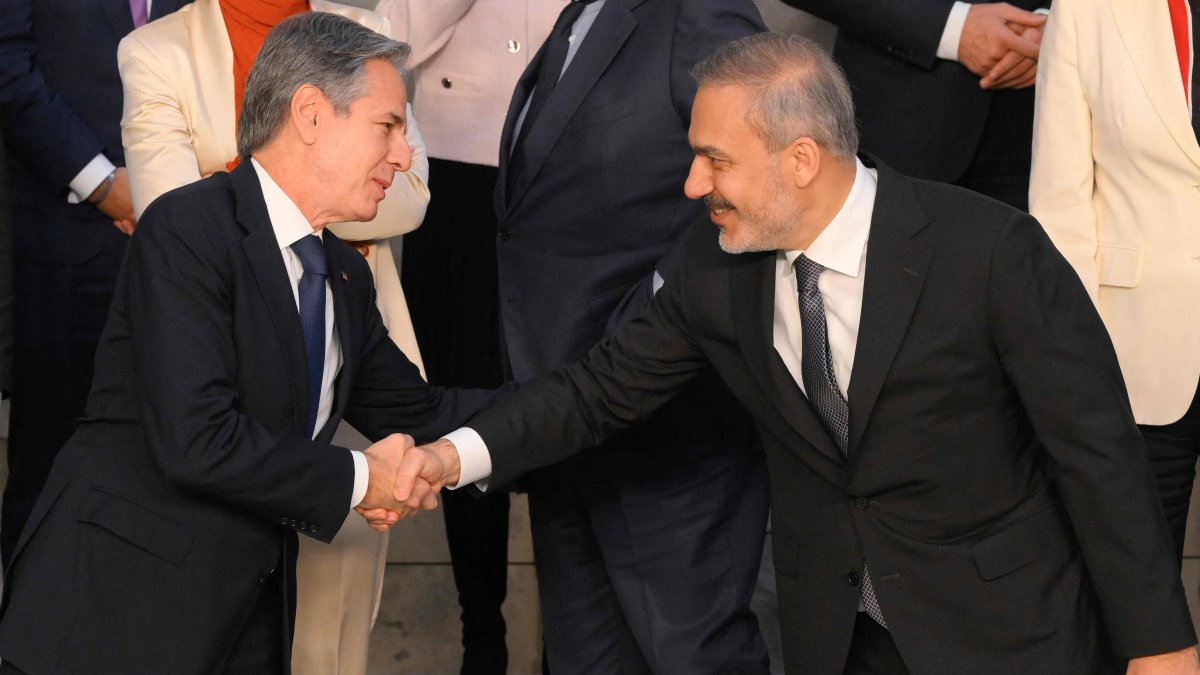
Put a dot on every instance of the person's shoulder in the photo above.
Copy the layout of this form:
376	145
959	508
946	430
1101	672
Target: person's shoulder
198	211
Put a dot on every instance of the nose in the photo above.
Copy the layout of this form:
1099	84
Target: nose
399	152
699	180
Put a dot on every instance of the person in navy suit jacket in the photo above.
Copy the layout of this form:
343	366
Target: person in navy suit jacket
654	574
60	108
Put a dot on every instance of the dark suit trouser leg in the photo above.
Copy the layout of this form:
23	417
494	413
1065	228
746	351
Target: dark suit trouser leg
477	531
872	651
61	310
653	573
1001	165
450	262
1173	449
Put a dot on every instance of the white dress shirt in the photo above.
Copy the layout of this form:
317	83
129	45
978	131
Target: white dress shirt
841	248
290	226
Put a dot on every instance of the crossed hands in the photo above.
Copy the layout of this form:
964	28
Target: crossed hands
404	479
1000	43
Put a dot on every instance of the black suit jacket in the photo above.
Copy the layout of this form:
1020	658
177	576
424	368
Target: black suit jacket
599	202
996	482
190	475
921	114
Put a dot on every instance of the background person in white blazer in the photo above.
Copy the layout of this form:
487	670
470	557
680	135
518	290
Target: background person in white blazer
467	56
1116	184
178	126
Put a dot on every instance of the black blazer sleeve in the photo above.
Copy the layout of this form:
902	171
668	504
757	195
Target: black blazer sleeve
1057	354
185	356
619	381
909	30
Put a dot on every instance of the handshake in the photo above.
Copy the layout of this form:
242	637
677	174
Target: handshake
405	479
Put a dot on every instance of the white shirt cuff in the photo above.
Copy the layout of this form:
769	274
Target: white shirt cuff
1042	10
474	460
362	476
952	34
86	181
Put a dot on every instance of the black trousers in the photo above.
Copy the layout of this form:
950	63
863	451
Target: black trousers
1173	450
450	280
872	651
1001	165
61	311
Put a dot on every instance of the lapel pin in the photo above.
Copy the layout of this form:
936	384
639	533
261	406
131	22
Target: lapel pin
345	277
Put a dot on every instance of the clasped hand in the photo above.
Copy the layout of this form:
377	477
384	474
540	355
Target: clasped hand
405	479
1001	43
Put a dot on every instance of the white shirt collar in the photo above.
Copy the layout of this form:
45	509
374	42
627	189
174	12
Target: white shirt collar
289	223
840	245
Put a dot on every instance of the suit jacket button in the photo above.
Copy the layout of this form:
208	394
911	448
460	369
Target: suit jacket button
861	503
312	528
293	523
283	521
303	525
446	83
513	46
852	578
505	234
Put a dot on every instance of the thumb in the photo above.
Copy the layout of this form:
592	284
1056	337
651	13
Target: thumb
1018	15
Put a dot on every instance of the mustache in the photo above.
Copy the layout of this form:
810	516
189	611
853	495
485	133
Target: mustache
716	202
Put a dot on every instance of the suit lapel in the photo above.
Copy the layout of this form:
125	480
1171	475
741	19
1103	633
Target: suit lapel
118	15
347	330
604	39
263	256
752	288
895	275
1141	24
212	57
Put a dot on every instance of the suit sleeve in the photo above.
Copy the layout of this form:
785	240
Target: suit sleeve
155	131
618	382
39	126
1057	354
909	30
382	402
1061	182
186	361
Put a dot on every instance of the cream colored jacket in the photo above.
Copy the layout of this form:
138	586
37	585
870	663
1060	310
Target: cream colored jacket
467	56
178	126
1116	183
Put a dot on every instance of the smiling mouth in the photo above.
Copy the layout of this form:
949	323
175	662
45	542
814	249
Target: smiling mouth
717	205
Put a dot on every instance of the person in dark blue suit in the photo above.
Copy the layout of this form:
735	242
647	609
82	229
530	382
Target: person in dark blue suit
60	108
652	574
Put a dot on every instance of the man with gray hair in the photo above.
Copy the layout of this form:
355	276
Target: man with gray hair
957	481
240	335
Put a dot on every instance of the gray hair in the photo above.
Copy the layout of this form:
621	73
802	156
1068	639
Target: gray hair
325	50
797	90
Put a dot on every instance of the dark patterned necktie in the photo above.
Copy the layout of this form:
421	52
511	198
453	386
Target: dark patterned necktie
821	387
312	317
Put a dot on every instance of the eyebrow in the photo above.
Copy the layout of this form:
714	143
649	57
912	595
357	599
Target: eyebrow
397	119
709	151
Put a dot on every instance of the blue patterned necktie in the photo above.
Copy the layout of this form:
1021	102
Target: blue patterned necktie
312	317
820	384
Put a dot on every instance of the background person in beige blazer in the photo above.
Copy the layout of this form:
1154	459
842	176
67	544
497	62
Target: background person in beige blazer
178	126
1116	184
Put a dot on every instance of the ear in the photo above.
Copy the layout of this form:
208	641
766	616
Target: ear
802	159
306	112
